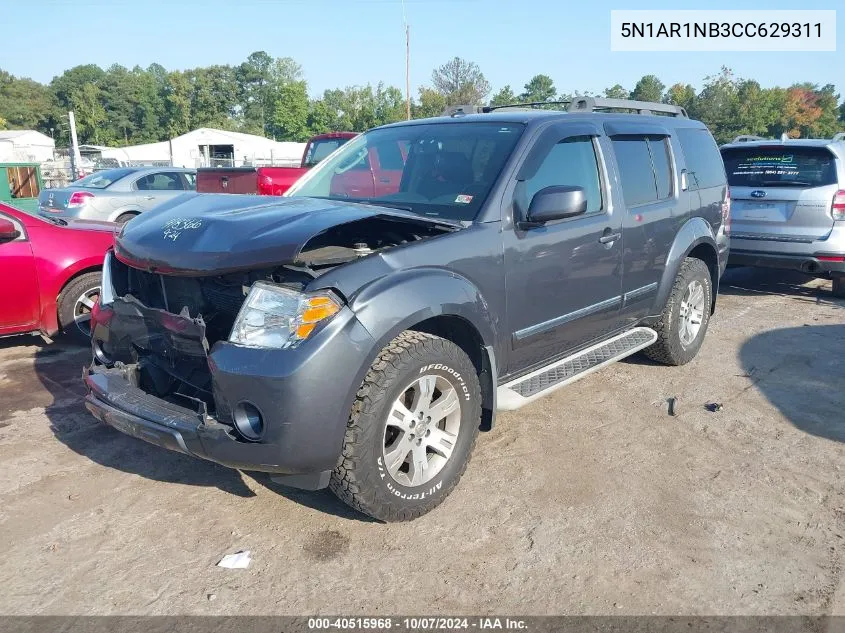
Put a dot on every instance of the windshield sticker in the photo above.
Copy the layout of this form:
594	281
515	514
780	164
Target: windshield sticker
175	227
463	199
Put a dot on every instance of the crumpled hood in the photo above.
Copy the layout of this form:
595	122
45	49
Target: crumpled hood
205	234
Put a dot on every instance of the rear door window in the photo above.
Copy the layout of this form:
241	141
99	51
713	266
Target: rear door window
779	166
165	181
635	170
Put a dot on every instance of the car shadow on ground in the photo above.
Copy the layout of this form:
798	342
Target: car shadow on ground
799	370
744	282
58	368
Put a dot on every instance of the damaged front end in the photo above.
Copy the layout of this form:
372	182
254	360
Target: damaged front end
207	365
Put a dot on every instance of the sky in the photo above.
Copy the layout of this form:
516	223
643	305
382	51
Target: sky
354	42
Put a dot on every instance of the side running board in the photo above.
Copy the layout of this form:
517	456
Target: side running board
525	389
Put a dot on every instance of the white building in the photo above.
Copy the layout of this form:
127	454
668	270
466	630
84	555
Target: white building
25	146
210	147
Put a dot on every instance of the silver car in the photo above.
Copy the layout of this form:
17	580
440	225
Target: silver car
788	205
117	195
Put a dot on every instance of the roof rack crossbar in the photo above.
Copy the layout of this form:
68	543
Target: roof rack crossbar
591	104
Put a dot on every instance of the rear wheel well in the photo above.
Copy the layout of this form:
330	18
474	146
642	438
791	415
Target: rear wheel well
705	253
126	216
463	334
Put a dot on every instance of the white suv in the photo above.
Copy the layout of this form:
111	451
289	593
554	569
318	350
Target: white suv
788	206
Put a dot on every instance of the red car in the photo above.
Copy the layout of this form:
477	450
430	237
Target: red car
49	272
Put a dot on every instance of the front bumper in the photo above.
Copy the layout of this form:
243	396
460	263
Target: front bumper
304	396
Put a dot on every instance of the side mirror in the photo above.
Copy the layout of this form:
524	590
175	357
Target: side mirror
8	232
556	203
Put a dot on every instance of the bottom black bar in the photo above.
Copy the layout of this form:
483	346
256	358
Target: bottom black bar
402	624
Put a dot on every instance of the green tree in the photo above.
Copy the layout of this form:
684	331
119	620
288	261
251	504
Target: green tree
717	105
460	82
616	92
253	77
539	88
681	95
2	123
290	112
177	104
649	88
24	103
505	96
431	103
89	112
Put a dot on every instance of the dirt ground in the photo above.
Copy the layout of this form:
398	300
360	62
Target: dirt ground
591	501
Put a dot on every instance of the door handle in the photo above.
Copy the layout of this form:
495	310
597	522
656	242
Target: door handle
149	197
609	238
386	181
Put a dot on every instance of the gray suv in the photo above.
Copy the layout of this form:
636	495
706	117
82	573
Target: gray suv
788	205
359	332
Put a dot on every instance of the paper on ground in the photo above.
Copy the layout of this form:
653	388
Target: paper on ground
240	560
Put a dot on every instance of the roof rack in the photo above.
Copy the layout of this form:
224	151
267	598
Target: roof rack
577	104
839	136
591	104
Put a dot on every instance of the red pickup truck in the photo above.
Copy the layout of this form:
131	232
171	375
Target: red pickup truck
269	181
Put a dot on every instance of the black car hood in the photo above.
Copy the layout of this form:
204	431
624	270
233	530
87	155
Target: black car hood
211	234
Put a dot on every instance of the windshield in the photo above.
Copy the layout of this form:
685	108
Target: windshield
102	179
442	170
779	166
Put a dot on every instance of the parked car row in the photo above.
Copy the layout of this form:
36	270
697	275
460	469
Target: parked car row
422	276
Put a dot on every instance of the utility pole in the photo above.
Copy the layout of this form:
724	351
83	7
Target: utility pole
408	71
76	158
407	63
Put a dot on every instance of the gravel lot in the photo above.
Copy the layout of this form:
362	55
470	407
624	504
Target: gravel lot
591	501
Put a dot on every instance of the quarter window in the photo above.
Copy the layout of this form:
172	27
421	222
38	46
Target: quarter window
572	162
702	158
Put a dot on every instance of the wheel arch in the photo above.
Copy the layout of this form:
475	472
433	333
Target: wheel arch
73	277
695	239
116	214
437	302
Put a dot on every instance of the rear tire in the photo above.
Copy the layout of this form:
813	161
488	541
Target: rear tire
75	303
124	218
411	430
684	320
838	288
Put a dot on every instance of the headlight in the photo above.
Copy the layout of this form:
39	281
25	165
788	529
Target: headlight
273	316
106	287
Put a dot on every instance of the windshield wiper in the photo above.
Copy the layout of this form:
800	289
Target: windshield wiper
56	221
392	205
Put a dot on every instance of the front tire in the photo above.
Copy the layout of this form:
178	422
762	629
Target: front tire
684	320
838	288
411	430
75	303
